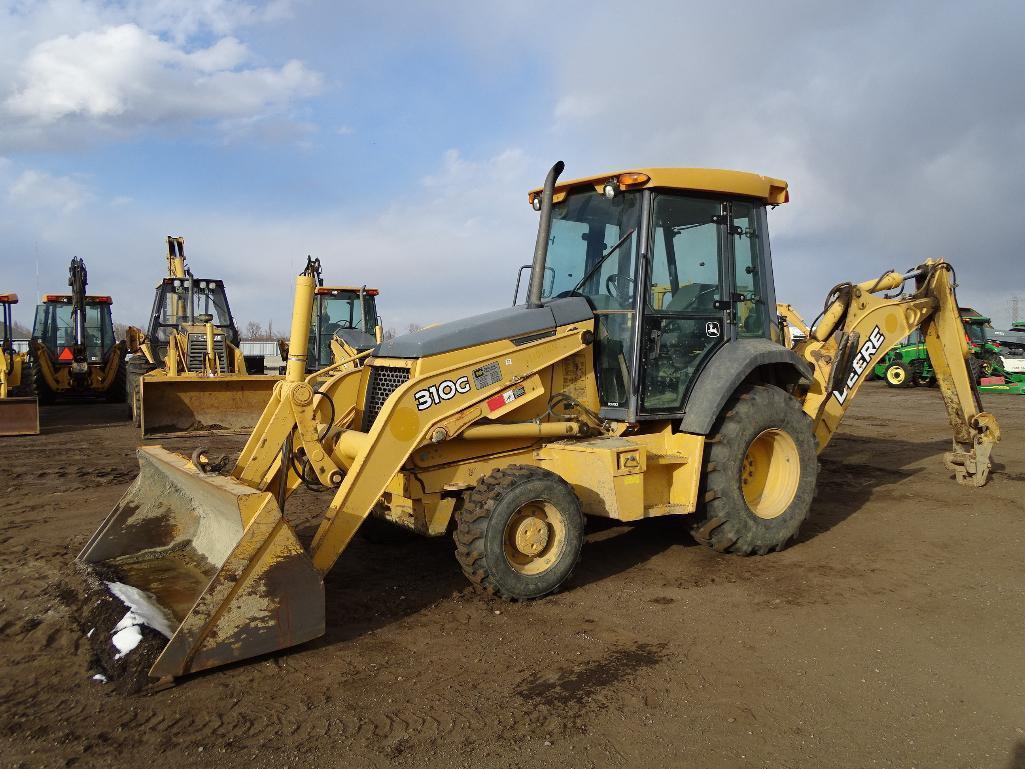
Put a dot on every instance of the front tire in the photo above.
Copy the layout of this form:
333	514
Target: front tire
519	533
760	473
898	374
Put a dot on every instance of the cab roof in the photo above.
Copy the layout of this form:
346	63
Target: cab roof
971	315
67	299
716	180
322	290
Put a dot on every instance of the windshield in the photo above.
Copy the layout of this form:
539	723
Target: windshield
54	328
976	332
173	308
340	311
592	252
586	226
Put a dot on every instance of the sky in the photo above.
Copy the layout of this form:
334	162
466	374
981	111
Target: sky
397	143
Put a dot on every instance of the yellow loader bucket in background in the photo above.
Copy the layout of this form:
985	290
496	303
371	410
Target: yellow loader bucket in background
218	559
19	416
229	403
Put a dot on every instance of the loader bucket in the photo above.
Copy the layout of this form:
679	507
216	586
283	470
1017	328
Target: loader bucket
229	403
19	416
218	559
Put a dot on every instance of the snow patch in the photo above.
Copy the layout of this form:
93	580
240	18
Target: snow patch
126	635
100	677
143	610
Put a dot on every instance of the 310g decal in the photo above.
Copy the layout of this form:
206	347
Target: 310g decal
443	391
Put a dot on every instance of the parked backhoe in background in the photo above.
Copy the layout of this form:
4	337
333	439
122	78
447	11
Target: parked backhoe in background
644	376
187	372
73	349
19	408
344	323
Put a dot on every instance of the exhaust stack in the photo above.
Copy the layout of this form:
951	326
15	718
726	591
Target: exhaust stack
544	229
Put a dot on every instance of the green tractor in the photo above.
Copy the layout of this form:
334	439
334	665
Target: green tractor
908	364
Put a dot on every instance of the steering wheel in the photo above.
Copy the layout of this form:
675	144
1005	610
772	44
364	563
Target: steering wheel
612	287
697	302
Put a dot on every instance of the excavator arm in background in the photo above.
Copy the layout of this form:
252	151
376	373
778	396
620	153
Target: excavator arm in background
176	257
78	279
138	340
859	325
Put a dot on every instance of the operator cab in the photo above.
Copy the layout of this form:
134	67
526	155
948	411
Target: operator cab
183	302
671	275
54	328
346	312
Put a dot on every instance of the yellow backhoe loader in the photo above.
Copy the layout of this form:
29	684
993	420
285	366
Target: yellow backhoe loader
644	376
73	350
187	372
19	408
344	323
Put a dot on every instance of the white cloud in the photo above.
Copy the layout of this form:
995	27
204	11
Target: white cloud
125	72
39	191
101	70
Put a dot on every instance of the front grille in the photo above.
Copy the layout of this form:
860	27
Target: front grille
197	352
384	380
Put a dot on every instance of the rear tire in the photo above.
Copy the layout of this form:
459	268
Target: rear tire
898	374
27	388
117	391
519	533
976	369
45	395
760	473
135	368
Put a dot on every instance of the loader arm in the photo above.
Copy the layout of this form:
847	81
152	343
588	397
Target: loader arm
6	367
859	326
360	464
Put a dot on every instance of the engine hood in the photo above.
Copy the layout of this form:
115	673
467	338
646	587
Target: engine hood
492	326
358	340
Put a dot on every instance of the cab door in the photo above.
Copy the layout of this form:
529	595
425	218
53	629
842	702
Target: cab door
689	306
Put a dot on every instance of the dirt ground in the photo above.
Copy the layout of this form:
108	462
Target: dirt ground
892	634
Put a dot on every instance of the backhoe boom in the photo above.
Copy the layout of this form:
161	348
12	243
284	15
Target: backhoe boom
858	327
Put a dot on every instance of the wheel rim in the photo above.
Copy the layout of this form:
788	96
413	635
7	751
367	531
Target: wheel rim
895	375
770	473
534	537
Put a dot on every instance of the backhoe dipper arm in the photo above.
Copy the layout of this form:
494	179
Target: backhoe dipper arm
176	256
858	327
78	280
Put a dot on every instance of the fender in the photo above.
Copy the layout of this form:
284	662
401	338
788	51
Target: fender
729	366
